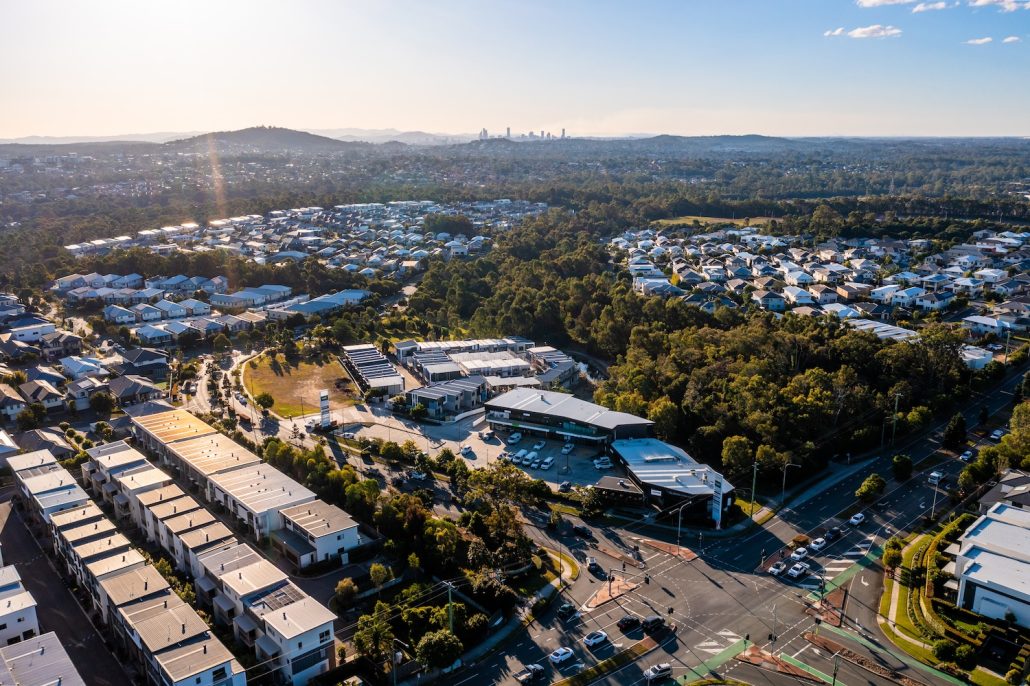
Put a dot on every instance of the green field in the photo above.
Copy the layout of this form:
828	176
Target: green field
295	384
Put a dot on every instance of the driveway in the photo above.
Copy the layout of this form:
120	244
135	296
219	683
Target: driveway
56	607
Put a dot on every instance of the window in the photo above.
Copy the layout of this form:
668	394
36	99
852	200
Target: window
219	674
324	636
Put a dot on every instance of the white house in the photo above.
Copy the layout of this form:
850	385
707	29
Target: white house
18	621
119	315
906	297
320	532
981	325
993	564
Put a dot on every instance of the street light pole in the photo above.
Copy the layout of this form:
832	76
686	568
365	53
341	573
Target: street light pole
783	487
679	522
933	508
836	666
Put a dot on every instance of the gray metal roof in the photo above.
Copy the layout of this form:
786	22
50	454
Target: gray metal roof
564	406
38	661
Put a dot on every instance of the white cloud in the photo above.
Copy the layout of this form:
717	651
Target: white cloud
839	31
979	41
1012	39
1004	5
929	6
881	3
875	31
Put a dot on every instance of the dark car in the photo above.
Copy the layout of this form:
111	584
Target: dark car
652	623
566	610
565	487
628	623
583	531
833	534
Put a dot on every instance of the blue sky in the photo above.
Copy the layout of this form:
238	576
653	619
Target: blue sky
693	67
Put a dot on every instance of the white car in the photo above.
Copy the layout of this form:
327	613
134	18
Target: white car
349	435
966	456
539	445
817	544
603	464
595	638
656	672
514	438
799	570
777	568
567	448
559	656
998	434
547	463
856	519
466	450
799	554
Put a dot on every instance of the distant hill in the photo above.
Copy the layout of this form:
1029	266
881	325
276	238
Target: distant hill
156	137
260	139
394	135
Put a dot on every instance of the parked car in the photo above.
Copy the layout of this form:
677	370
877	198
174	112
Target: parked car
535	464
595	638
567	448
592	564
547	463
818	544
966	456
466	450
799	554
833	533
417	476
517	457
560	655
514	438
566	610
584	531
539	445
603	463
800	569
628	623
662	670
565	487
530	457
856	519
998	434
777	568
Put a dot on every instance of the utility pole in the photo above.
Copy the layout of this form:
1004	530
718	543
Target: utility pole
754	482
450	608
836	666
894	431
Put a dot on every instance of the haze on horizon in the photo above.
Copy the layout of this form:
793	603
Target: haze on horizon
774	67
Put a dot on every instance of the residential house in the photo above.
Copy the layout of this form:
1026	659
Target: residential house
132	389
11	402
935	301
797	296
59	344
43	392
768	300
119	315
81	391
47	439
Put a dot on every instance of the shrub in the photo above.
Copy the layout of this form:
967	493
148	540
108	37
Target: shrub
944	650
965	656
1013	676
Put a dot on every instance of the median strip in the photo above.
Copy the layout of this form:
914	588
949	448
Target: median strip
621	659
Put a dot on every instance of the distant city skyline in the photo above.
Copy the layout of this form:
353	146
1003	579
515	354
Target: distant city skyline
698	67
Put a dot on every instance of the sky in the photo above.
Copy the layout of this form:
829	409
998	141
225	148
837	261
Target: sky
593	67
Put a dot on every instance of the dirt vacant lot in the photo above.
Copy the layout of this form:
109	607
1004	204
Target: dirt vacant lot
295	383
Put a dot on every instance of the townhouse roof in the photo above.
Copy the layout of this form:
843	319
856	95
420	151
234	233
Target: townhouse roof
261	487
258	575
77	517
174	425
298	617
319	518
31	461
39	660
213	453
133	585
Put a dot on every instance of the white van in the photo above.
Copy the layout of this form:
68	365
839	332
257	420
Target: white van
935	478
517	457
546	464
528	459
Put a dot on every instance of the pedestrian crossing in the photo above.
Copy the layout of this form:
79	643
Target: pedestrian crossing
838	565
714	646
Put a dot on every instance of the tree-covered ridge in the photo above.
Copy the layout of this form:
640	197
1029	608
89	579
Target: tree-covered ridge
728	386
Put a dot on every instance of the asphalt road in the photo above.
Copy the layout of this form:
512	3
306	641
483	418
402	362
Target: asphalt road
56	608
720	598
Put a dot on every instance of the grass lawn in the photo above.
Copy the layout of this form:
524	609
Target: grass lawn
690	218
982	677
295	383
